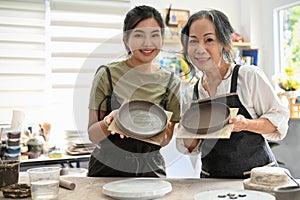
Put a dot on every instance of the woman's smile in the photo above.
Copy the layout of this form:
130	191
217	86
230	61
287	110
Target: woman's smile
201	61
147	52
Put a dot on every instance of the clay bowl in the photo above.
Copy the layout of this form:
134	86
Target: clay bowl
141	119
206	117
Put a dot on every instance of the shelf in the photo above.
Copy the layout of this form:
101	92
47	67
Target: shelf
45	160
245	45
295	111
172	41
242	44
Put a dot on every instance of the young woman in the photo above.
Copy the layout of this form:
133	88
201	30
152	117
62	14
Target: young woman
138	78
207	43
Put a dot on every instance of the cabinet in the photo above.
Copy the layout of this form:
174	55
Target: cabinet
292	100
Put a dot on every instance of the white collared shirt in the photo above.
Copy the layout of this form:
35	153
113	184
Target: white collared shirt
256	94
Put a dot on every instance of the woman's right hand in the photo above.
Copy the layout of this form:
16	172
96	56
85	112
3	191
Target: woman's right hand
110	117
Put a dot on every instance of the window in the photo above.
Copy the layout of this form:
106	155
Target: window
289	37
83	35
22	59
46	47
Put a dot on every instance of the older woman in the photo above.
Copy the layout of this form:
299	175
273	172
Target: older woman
207	43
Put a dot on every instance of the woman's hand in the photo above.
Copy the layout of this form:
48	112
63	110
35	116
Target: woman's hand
108	119
168	134
239	122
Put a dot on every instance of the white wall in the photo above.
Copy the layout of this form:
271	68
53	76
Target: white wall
230	8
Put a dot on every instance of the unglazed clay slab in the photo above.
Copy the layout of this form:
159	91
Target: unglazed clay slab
264	188
137	188
250	195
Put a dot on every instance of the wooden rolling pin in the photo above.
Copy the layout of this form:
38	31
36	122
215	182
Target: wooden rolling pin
67	184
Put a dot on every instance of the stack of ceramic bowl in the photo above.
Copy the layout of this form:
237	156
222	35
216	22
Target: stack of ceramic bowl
13	148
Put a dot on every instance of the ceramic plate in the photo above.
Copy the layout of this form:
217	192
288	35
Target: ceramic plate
137	189
240	194
206	117
141	119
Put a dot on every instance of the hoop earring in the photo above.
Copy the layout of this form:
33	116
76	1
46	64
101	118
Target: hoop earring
225	56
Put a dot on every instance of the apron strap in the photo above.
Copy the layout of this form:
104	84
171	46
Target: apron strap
163	102
234	78
196	92
107	97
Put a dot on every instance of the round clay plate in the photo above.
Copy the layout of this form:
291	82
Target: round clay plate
141	119
239	194
137	188
206	117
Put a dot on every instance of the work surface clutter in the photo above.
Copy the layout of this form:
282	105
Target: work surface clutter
262	181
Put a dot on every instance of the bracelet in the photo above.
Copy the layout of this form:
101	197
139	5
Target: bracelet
104	121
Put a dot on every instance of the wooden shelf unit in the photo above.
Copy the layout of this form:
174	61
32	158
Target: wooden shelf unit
246	51
295	109
293	100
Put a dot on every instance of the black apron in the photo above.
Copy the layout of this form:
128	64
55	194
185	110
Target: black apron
234	157
127	157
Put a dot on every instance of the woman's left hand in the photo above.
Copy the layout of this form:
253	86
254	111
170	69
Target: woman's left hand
239	123
109	118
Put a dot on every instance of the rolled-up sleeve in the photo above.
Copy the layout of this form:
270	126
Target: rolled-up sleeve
280	120
261	101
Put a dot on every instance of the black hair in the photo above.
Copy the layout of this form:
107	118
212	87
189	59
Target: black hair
138	14
223	30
